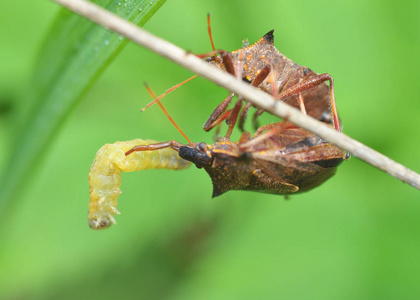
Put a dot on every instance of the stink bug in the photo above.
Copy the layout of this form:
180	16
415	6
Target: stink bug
282	161
263	66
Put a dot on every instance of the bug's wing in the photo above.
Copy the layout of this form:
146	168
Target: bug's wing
304	175
324	154
263	181
231	172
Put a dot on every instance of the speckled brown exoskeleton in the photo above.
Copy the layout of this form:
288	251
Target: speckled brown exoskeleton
263	66
286	161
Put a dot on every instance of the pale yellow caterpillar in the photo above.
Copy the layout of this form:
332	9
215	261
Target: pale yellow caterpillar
105	175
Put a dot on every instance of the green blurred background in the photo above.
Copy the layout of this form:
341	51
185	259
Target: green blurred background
355	237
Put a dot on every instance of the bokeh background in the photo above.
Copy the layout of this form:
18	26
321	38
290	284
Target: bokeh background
355	237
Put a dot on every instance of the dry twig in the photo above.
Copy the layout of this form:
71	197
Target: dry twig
111	21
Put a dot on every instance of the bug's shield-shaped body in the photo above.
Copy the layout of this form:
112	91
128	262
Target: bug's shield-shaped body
105	175
287	74
291	162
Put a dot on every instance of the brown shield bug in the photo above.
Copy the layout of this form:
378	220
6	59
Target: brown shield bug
263	66
288	161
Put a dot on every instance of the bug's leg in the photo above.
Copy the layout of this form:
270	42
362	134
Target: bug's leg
216	122
258	113
282	125
262	75
220	109
301	103
233	117
243	115
245	137
255	141
272	80
170	144
237	108
274	93
310	83
216	135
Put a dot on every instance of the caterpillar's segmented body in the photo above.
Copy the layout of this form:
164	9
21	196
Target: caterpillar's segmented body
105	175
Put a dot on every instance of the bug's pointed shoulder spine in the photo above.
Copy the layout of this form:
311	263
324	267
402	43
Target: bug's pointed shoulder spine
269	36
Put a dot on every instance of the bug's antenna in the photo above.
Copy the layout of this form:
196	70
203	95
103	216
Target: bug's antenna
149	89
167	92
210	35
191	78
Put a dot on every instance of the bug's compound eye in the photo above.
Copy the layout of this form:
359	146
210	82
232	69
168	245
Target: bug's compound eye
306	71
202	147
210	59
326	117
348	155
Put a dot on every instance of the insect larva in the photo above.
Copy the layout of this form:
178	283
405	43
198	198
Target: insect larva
105	175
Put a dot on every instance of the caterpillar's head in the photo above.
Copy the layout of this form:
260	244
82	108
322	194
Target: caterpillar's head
101	215
101	223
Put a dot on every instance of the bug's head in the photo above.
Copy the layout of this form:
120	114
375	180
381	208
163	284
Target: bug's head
198	154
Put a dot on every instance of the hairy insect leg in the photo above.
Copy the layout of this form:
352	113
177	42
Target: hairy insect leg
310	83
170	144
